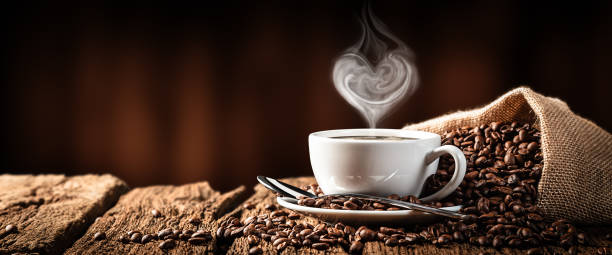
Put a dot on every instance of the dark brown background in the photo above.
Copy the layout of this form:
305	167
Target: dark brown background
181	93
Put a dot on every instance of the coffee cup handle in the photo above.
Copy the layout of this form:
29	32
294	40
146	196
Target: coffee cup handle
460	168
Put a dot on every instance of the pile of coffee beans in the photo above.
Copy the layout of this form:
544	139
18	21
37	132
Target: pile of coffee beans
353	203
504	165
168	236
281	229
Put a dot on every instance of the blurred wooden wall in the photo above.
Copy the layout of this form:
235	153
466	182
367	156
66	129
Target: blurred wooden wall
179	93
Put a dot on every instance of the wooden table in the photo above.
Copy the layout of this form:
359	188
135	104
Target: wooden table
57	214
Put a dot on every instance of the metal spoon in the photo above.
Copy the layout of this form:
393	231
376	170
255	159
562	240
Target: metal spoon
288	190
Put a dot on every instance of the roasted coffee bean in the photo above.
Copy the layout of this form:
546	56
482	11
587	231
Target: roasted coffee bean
252	240
320	246
444	239
534	217
196	240
356	247
350	205
278	213
525	232
386	230
163	233
167	244
266	237
392	241
281	246
195	221
270	207
483	205
518	209
367	234
515	242
136	237
498	241
496	229
123	239
308	202
482	240
280	240
509	159
458	236
99	236
255	250
534	251
146	238
293	216
201	234
131	232
10	228
335	206
236	232
156	213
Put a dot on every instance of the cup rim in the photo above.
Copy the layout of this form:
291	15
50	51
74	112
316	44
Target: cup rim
329	134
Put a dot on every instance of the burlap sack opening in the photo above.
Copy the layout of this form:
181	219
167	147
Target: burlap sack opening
577	171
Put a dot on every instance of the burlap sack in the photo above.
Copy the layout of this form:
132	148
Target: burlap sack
577	174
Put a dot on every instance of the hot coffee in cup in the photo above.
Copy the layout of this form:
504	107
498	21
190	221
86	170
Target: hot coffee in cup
373	137
380	161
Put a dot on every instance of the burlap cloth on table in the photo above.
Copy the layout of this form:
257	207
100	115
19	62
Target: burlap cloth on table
577	171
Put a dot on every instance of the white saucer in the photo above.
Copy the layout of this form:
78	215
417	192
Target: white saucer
364	217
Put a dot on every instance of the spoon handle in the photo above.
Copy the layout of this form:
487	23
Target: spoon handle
408	205
284	189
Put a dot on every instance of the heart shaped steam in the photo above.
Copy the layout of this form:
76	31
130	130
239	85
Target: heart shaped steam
377	73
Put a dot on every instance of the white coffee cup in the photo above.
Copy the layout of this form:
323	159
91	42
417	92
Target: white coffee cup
381	167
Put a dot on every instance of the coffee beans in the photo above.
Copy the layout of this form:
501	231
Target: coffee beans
356	247
255	250
504	164
499	192
197	240
156	213
534	251
320	246
195	221
136	237
99	236
10	228
168	237
167	244
352	203
146	238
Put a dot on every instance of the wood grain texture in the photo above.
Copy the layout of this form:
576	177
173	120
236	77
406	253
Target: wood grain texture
52	211
55	212
263	196
177	204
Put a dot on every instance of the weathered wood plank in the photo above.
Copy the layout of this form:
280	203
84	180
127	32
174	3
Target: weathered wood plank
262	197
52	211
177	205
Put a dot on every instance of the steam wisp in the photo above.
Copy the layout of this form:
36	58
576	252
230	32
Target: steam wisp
377	73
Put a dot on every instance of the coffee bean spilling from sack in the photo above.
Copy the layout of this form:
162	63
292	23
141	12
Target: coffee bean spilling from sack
504	165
